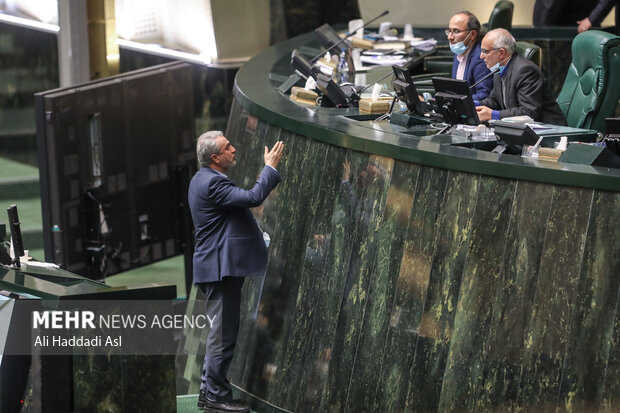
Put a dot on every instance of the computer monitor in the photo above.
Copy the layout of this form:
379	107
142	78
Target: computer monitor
454	101
301	64
328	37
406	91
331	91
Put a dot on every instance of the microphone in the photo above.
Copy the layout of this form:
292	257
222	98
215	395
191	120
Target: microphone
354	96
315	58
486	77
374	83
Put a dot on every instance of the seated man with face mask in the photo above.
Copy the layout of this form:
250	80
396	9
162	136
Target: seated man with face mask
519	87
463	32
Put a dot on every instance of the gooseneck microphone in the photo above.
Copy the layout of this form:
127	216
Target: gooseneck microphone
354	97
486	77
374	83
315	58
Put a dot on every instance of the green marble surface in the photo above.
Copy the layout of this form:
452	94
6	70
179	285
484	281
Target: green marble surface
396	286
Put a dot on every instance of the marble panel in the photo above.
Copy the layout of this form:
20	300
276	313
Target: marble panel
436	326
611	392
393	228
410	289
313	274
548	335
479	285
123	383
512	305
350	204
365	194
586	373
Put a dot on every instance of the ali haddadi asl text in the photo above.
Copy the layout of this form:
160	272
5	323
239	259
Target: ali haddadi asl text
79	341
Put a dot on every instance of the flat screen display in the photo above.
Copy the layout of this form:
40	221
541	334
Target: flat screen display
114	158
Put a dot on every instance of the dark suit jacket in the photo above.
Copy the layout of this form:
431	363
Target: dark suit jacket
522	90
602	9
475	69
228	240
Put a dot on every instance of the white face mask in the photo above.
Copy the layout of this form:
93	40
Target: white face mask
460	47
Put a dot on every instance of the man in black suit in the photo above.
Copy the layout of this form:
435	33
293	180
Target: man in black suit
519	88
596	16
229	247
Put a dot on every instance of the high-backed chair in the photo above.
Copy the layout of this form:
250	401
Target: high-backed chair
592	86
501	16
530	51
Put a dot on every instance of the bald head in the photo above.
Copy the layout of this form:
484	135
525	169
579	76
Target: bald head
497	47
500	38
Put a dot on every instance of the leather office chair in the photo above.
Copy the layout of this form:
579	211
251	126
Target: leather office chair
592	86
501	16
530	51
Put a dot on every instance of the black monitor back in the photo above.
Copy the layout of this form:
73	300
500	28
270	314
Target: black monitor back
405	89
334	93
454	101
512	133
301	64
327	36
111	155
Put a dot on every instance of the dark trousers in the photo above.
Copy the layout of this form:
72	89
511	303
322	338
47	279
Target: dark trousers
223	299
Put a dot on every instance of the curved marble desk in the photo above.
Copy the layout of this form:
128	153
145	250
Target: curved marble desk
407	274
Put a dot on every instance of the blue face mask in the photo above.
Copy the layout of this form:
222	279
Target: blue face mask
497	66
460	47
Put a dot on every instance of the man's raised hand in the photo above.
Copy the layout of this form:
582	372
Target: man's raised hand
272	158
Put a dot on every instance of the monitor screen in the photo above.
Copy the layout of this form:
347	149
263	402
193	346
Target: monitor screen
406	91
454	101
328	37
301	64
111	159
331	90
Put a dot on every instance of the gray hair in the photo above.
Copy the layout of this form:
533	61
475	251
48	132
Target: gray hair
504	39
207	146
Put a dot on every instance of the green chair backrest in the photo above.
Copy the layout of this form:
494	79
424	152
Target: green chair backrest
530	51
501	16
592	86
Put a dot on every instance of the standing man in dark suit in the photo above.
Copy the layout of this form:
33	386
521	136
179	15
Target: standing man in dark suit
596	16
463	34
229	247
519	88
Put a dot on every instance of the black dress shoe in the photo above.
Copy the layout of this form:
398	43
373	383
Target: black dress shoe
225	407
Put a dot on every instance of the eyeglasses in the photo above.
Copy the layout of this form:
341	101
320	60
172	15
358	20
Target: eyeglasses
487	51
456	31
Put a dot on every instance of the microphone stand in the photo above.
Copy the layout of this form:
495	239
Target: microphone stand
356	96
315	58
485	78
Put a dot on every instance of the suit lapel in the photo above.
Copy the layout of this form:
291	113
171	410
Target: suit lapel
505	81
